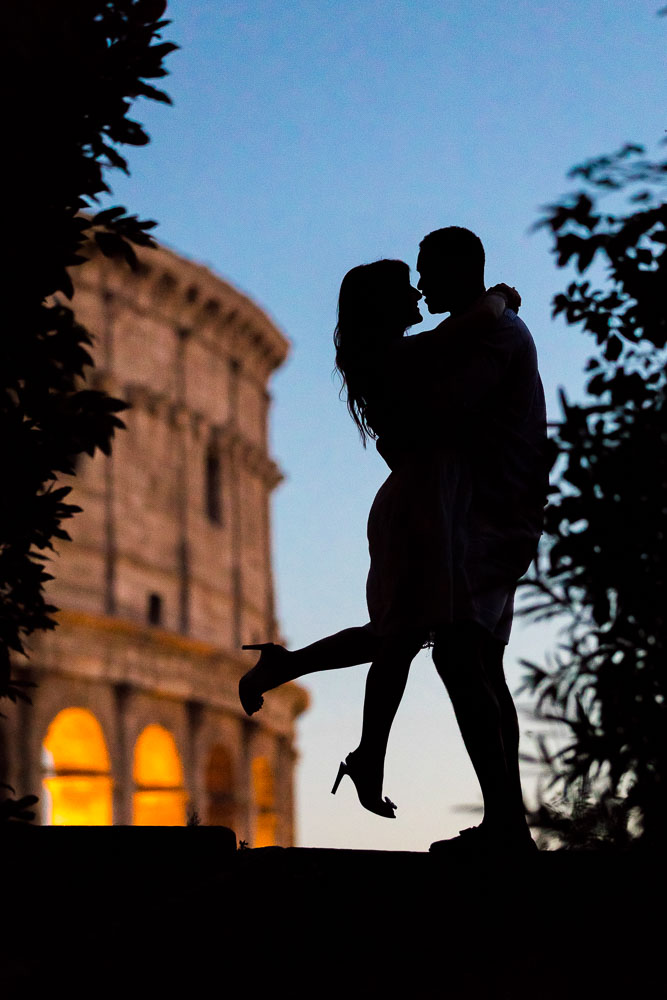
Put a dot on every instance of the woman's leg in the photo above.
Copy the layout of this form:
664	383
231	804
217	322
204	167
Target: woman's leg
347	648
277	665
385	685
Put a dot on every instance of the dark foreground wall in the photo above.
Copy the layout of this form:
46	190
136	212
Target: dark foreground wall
177	911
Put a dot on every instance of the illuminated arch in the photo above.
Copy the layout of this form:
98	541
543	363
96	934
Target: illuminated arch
76	783
266	820
220	788
159	799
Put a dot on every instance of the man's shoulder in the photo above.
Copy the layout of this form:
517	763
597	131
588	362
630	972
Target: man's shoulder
515	331
510	319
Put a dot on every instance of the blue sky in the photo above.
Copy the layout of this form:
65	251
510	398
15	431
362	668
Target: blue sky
308	137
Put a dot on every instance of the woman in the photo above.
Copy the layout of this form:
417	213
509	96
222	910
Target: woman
416	527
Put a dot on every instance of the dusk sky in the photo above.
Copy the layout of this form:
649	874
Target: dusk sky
308	137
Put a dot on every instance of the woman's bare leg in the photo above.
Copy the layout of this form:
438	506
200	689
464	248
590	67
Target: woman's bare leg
278	665
347	648
385	686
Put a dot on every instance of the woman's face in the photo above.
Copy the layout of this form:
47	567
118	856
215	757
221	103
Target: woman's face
390	302
406	303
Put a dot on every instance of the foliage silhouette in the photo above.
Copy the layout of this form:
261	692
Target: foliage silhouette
604	566
73	71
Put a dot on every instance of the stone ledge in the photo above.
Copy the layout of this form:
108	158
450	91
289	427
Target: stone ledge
148	909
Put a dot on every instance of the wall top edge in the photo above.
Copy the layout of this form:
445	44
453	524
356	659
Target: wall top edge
192	290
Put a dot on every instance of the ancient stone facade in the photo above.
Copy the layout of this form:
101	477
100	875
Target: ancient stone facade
136	716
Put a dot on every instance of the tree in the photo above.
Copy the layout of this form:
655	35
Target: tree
605	563
73	71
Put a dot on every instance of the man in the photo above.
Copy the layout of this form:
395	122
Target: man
494	392
497	390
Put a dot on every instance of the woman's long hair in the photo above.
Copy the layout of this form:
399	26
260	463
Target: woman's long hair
366	322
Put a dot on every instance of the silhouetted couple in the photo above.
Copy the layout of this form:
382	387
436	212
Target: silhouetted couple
458	415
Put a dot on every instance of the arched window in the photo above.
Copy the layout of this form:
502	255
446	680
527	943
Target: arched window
219	786
76	782
266	821
213	491
159	799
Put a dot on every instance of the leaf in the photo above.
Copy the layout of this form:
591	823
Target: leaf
115	159
163	49
108	215
145	90
597	385
150	10
613	349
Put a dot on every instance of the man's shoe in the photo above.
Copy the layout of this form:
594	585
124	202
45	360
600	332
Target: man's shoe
477	841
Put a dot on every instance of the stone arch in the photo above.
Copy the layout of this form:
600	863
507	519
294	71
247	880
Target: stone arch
266	819
159	798
220	788
76	782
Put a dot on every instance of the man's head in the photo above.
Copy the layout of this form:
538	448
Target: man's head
451	269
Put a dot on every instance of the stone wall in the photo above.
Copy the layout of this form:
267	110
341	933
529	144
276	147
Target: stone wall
169	568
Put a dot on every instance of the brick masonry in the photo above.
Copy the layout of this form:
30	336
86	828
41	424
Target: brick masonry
169	568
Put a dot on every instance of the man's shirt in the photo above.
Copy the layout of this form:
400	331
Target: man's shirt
484	399
503	405
506	441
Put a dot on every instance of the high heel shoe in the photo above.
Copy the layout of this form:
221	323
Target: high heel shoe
381	807
261	677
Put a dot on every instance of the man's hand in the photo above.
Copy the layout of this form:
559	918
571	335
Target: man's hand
509	293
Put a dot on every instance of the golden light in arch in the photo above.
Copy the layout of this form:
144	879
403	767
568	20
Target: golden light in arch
266	821
77	786
159	799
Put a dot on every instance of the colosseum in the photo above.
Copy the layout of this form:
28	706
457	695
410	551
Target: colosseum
135	718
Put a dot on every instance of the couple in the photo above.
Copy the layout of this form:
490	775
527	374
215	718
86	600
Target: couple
458	415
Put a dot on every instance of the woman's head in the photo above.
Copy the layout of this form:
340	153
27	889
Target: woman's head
378	300
376	305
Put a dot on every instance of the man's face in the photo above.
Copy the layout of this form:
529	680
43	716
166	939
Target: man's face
435	281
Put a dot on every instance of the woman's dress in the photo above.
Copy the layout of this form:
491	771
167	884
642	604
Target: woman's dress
417	543
456	523
417	525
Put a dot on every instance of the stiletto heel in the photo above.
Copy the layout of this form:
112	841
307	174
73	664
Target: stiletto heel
381	807
341	771
261	677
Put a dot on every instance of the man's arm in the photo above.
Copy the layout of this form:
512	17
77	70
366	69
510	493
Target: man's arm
477	373
456	391
454	334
